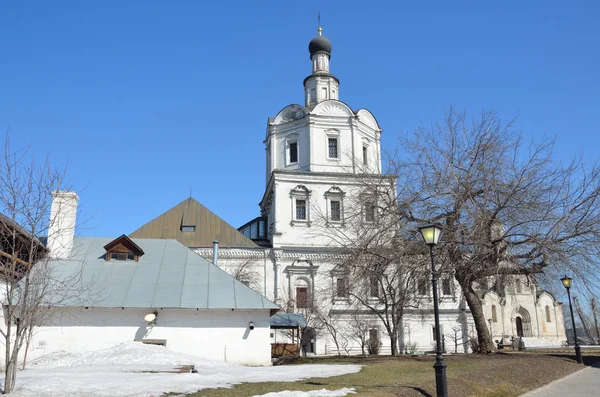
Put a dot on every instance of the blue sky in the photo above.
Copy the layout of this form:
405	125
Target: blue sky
145	99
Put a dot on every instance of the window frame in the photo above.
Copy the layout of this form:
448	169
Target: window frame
300	193
374	286
292	139
548	316
333	134
298	300
443	292
345	291
369	207
418	285
331	195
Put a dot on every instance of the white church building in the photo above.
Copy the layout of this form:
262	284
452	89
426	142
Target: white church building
168	282
318	156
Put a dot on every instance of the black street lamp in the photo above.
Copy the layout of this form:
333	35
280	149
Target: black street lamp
431	235
567	283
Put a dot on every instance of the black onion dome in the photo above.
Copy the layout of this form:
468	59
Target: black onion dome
319	43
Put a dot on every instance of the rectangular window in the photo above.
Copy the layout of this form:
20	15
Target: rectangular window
301	297
370	211
422	286
446	286
333	148
122	256
313	95
373	335
294	152
341	288
336	211
188	228
365	160
301	209
324	92
518	286
374	286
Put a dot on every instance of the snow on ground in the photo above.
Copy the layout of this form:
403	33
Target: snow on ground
130	370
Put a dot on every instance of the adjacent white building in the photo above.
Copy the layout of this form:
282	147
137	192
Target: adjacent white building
106	291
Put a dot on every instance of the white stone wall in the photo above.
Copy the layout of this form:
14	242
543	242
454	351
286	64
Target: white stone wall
329	119
221	335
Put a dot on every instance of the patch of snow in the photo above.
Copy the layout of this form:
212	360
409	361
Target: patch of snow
312	393
137	370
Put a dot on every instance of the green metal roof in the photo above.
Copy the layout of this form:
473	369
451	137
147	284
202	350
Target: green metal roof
168	275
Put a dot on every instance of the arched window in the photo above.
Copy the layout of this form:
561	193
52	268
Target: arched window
494	316
548	320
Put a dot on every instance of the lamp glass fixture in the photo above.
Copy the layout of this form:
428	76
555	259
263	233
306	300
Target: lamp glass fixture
566	280
431	233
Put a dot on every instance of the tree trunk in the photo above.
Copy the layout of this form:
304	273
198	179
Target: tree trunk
394	344
484	339
9	376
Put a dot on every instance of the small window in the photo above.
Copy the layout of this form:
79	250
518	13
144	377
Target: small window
188	228
435	334
518	286
370	211
301	297
293	152
365	159
373	335
446	286
494	315
324	91
341	288
548	319
313	95
374	286
422	286
336	211
301	209
333	148
122	256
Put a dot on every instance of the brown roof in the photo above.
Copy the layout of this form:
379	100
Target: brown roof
207	227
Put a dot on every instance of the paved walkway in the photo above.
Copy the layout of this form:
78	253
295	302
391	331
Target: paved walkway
584	383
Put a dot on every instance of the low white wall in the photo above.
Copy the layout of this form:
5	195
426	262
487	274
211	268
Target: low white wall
221	335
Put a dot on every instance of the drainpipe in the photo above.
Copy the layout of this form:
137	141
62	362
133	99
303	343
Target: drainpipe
215	258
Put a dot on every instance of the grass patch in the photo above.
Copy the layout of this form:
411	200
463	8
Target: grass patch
498	375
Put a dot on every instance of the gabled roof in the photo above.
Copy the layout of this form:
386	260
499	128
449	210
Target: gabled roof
207	227
126	242
169	275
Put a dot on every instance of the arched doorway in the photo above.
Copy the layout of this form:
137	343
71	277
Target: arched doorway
519	325
523	323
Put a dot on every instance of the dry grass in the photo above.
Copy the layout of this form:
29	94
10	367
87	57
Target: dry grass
499	375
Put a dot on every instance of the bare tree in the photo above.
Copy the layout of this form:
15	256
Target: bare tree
245	272
358	329
30	283
375	265
455	336
507	208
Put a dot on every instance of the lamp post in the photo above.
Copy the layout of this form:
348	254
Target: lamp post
431	235
567	283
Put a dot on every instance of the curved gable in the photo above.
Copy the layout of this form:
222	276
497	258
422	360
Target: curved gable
290	113
491	296
333	107
367	118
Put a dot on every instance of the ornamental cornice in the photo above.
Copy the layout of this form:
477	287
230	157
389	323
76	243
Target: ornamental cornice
233	254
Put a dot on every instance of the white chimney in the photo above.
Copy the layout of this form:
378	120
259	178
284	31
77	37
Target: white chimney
61	230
